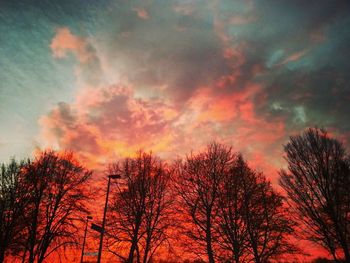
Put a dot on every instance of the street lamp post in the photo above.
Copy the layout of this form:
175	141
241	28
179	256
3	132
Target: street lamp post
112	176
82	251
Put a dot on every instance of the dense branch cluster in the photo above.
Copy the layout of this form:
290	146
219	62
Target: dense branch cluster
236	214
140	211
209	207
317	183
41	204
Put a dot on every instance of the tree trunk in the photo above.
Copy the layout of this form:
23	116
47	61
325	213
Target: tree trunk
33	231
2	255
24	255
343	244
4	245
340	236
31	251
41	256
147	248
210	252
346	252
256	253
134	242
32	241
138	256
236	258
236	252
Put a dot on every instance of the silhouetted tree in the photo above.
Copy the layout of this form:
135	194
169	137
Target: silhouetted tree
199	181
140	208
157	216
231	225
252	222
56	183
317	183
13	201
268	225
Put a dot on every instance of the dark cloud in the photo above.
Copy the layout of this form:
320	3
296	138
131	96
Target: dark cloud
181	50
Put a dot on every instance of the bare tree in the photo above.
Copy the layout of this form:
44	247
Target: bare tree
252	222
157	214
231	225
56	183
140	217
13	200
317	183
267	223
199	180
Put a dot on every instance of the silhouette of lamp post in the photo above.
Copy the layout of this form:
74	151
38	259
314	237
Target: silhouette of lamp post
112	176
86	225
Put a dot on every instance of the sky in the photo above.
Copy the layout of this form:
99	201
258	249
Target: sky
106	78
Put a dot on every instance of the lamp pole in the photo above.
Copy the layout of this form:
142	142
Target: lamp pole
82	251
112	176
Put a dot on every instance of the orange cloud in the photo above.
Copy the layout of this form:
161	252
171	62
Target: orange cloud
218	107
108	123
64	42
111	124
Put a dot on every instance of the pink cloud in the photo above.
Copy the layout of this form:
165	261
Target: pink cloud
141	13
64	41
230	117
109	121
294	57
111	124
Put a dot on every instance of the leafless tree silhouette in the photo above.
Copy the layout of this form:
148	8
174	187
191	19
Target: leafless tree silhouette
252	222
140	209
56	183
317	183
199	180
13	201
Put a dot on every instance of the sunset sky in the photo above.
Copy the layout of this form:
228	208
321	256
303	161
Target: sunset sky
105	78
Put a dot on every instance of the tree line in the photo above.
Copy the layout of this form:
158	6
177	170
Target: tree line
211	205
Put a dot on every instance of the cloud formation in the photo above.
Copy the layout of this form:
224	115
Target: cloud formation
172	76
106	78
64	42
110	121
190	73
